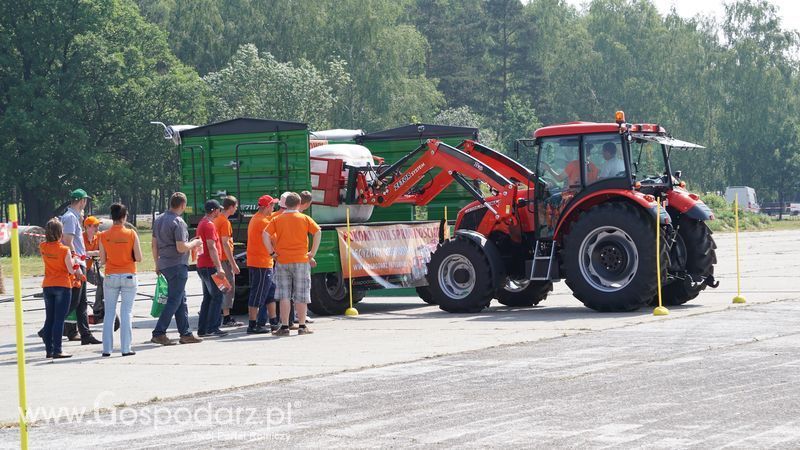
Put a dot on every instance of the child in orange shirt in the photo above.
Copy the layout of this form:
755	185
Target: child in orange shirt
57	287
289	245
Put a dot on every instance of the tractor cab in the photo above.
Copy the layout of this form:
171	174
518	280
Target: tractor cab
579	161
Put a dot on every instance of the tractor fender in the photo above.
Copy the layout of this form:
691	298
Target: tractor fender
473	236
586	201
689	204
495	258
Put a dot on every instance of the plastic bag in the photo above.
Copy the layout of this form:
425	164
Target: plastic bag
159	297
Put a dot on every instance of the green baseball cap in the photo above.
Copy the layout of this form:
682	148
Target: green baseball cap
79	194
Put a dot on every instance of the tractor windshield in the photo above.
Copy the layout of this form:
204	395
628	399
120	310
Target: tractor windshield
648	164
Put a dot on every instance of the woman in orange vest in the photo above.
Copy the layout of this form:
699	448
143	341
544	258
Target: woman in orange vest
119	253
57	286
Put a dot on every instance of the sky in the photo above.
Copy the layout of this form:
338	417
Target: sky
789	10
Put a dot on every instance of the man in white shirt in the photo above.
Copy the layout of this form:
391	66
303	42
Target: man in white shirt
613	166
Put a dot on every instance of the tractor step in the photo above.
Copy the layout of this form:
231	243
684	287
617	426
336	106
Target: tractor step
540	268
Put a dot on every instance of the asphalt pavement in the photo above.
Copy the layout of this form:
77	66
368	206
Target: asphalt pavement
710	374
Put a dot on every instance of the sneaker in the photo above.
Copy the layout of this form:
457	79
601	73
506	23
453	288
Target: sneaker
281	332
257	330
294	327
189	339
309	320
219	333
61	356
232	323
163	340
305	330
106	355
130	353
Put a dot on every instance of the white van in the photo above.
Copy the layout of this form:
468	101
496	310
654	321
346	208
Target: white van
747	197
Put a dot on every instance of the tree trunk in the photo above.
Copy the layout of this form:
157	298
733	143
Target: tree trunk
38	210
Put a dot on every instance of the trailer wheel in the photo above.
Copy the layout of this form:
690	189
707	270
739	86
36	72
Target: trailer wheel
523	292
330	295
463	275
241	291
424	293
609	258
697	247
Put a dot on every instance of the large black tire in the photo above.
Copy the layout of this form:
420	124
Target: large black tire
464	274
697	255
330	295
525	293
424	293
609	258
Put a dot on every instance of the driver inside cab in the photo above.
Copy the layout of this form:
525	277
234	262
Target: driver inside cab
613	166
572	172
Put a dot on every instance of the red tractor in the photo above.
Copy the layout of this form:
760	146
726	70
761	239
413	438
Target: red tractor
586	214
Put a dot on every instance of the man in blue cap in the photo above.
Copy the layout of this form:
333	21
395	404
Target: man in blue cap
73	238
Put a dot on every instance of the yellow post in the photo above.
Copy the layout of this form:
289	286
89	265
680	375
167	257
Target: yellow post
17	272
660	309
349	311
738	298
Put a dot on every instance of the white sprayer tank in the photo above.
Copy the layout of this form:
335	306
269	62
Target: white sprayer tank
351	154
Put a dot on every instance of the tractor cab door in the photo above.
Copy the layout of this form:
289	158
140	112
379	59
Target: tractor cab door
559	168
573	167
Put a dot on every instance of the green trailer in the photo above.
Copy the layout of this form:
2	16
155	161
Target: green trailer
248	158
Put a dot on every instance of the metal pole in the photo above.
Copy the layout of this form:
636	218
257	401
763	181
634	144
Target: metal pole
17	272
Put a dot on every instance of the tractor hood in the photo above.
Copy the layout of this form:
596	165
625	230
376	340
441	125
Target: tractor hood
664	140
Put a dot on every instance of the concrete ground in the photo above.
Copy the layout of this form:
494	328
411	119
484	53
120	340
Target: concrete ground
404	373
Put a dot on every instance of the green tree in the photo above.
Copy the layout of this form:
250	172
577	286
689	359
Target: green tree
254	85
463	116
79	83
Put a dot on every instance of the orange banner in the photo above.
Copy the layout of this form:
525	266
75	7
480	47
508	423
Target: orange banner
393	256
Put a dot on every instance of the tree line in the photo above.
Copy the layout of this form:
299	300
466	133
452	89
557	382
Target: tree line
81	79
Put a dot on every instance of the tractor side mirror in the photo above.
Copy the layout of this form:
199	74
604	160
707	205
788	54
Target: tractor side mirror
678	174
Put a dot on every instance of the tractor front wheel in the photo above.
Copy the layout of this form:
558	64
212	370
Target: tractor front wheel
424	293
464	274
609	258
523	292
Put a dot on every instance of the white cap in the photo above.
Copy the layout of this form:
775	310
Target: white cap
282	201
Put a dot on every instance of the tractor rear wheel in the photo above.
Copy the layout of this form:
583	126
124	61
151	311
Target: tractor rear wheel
523	292
695	253
463	275
609	258
330	295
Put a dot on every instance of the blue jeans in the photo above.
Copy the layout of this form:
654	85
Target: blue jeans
176	301
56	306
114	286
211	308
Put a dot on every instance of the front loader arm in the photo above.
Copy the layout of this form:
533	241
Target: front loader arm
392	186
509	168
